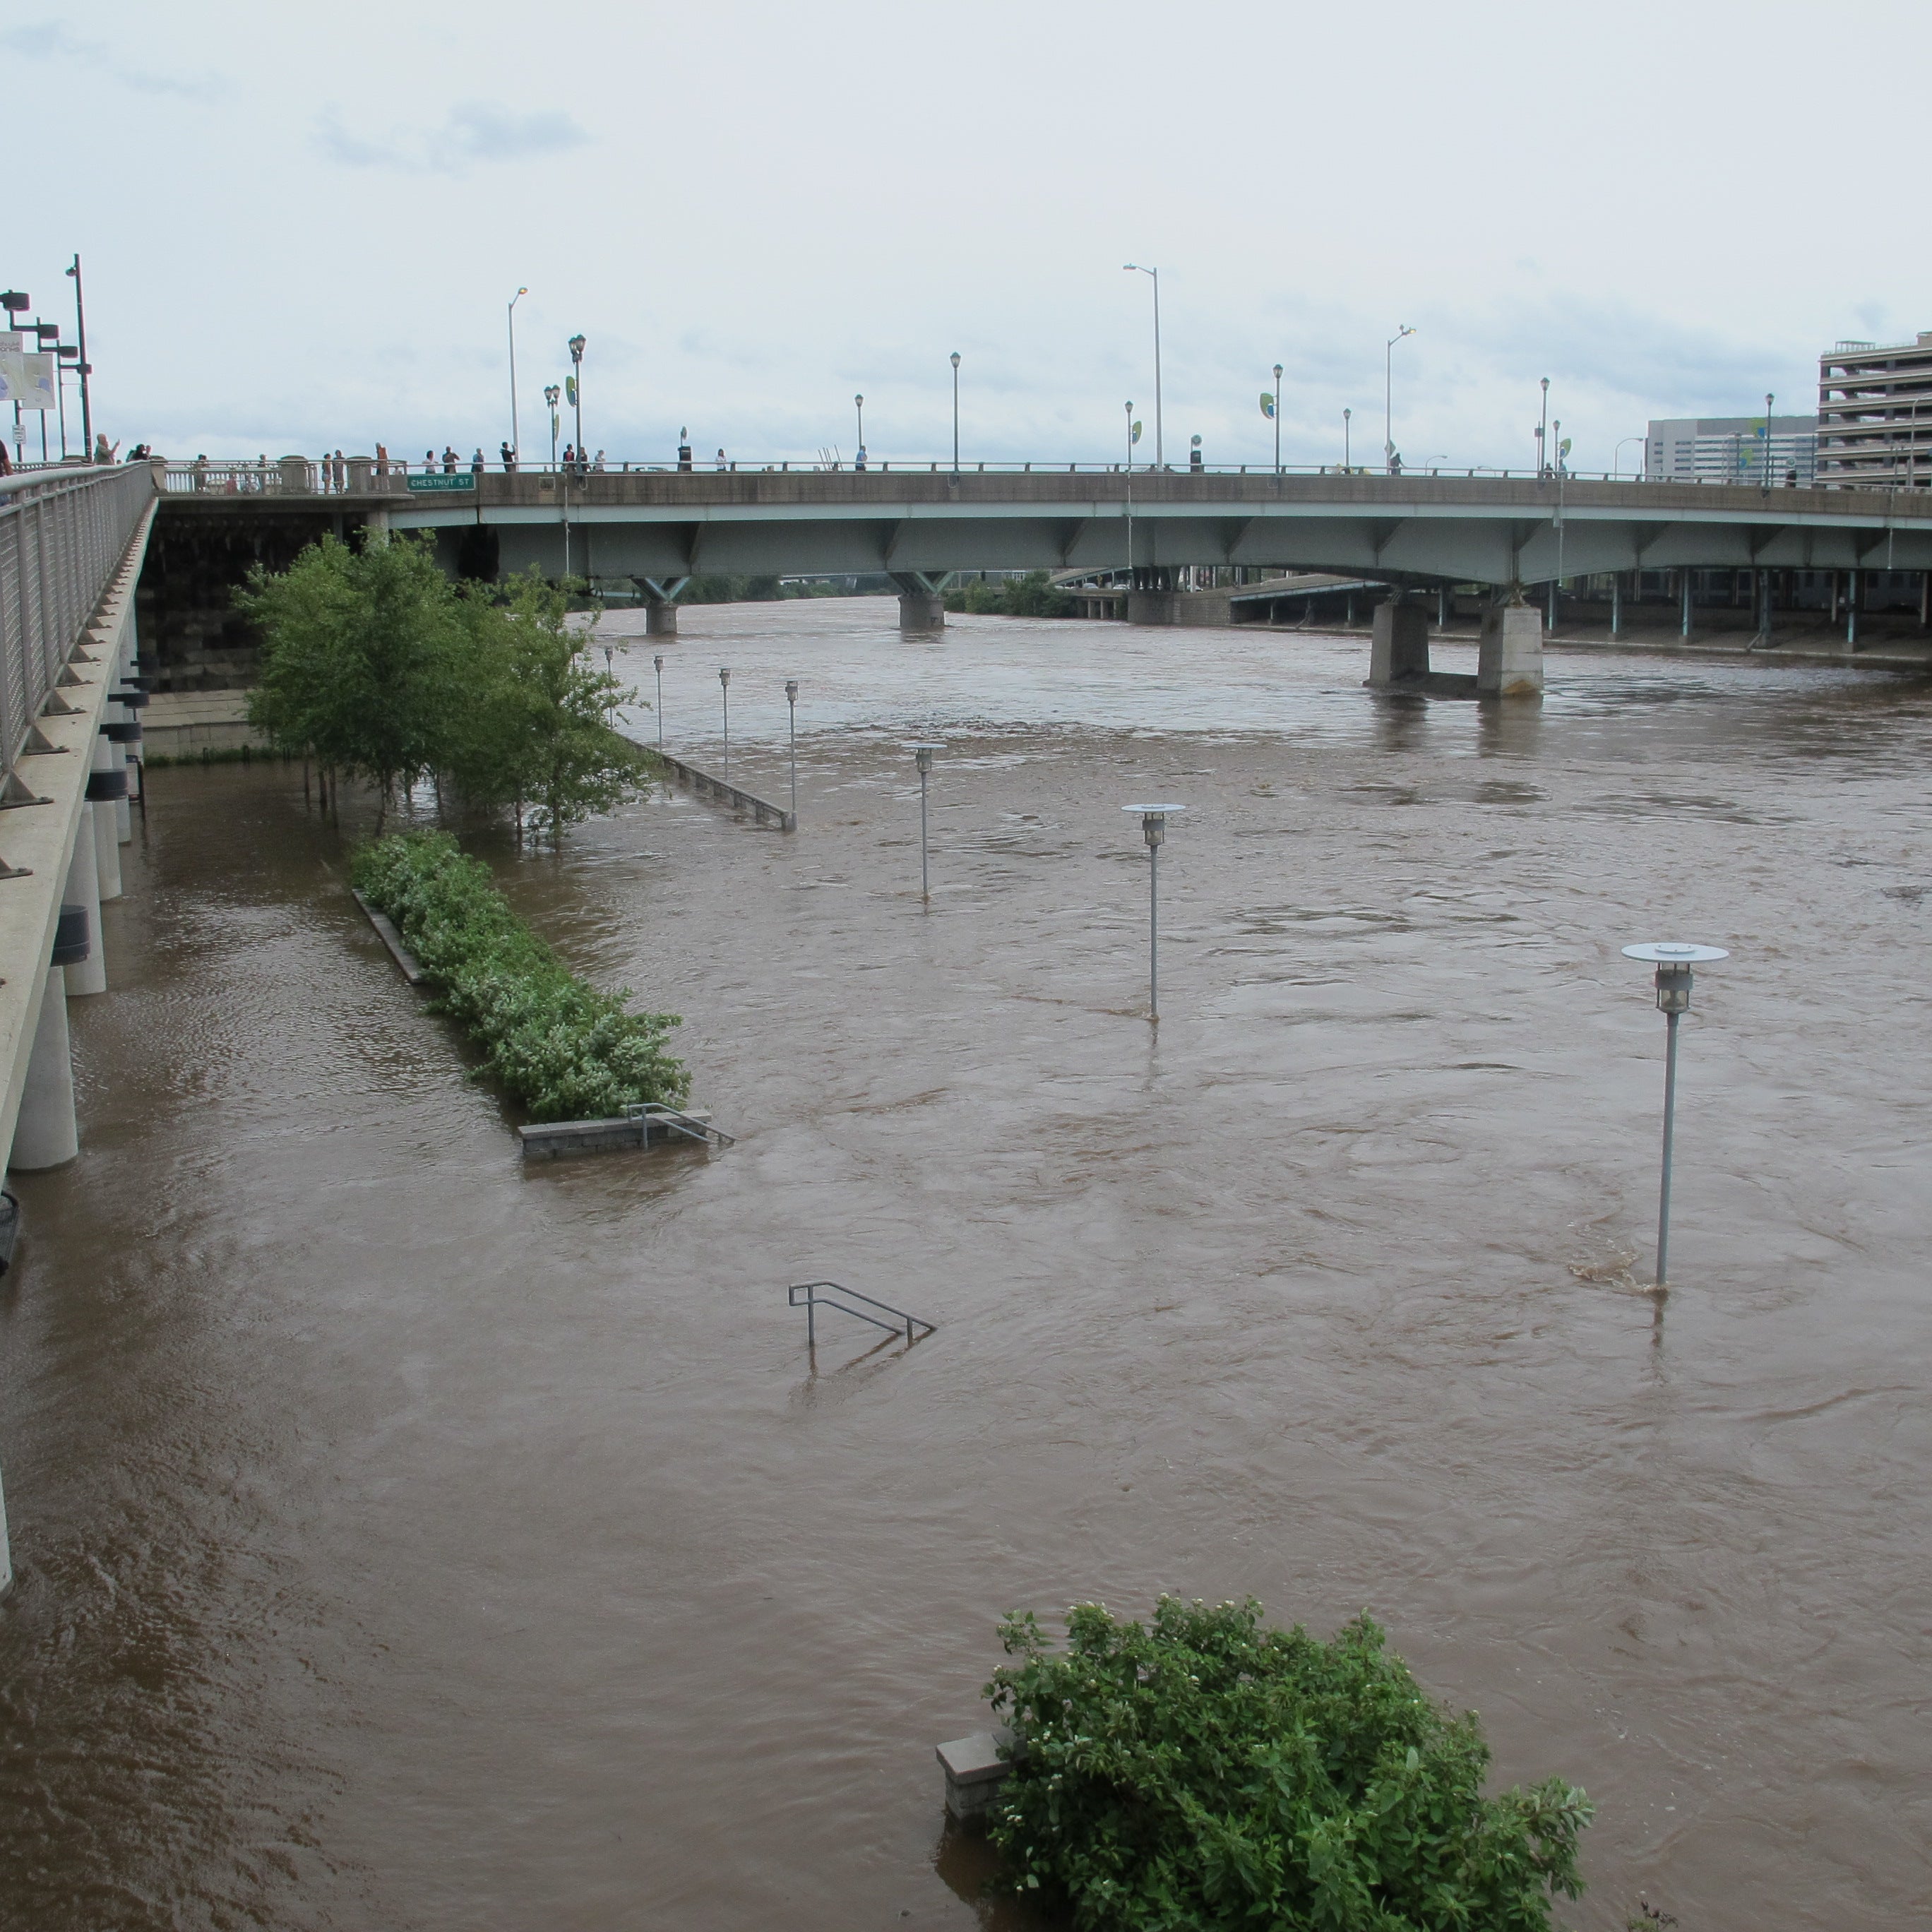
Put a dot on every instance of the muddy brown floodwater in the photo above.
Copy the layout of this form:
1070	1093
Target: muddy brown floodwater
409	1542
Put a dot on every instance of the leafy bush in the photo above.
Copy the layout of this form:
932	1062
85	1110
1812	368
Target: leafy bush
563	1051
1031	595
1205	1774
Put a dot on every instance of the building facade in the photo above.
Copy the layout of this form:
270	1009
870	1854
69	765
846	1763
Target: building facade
1731	449
1875	414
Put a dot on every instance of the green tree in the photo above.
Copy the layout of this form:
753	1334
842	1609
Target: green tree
1201	1774
534	732
361	662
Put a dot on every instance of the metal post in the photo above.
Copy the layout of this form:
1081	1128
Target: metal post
1348	455
516	446
659	663
1616	604
924	883
791	708
955	415
724	687
1154	934
1277	419
80	338
1684	628
1670	1127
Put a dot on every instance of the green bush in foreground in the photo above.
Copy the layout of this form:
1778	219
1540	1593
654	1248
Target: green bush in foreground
1203	1774
562	1050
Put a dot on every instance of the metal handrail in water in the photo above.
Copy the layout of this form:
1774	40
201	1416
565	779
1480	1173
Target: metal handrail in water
682	1123
901	1323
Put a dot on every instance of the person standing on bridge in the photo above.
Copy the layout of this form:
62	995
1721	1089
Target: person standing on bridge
382	461
509	459
684	449
721	463
429	461
449	459
341	473
476	466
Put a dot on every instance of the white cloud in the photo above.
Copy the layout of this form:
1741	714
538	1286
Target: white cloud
472	131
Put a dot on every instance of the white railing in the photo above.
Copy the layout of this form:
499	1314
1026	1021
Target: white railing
63	534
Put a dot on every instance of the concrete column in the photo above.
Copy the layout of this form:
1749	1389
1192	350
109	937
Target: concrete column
117	753
1398	644
1442	608
660	620
1509	658
1551	619
1853	586
923	611
83	889
1684	628
46	1133
1616	603
107	833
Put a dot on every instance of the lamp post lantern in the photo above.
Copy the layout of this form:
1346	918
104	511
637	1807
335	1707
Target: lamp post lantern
576	393
923	757
955	415
859	403
1673	960
1135	268
516	447
1388	393
657	665
1277	419
609	694
724	691
1348	457
1543	431
1154	829
791	708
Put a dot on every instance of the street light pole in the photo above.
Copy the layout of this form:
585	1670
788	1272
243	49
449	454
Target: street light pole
1348	456
516	446
1130	499
791	707
1154	829
724	688
80	339
1673	960
577	395
1159	449
551	393
1277	419
1388	393
923	757
658	665
1542	433
859	403
955	415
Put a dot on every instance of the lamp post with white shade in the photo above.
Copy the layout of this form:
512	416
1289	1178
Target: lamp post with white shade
1673	960
791	707
1154	829
657	665
923	757
724	691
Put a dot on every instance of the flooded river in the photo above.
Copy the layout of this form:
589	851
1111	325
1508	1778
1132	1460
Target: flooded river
412	1542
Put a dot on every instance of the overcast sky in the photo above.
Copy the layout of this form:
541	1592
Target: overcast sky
300	226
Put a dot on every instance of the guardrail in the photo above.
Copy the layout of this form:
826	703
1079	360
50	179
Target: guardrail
63	534
362	476
722	791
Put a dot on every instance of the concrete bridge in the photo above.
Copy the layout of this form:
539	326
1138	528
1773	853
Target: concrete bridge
917	525
71	542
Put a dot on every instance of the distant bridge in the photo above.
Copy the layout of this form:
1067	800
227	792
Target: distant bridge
660	528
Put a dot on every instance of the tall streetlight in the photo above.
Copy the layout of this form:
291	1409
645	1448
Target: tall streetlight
724	689
1542	432
923	757
1135	268
510	315
1277	419
1348	455
1673	960
1765	480
551	393
791	707
80	339
1154	829
955	415
657	665
1617	455
1133	433
1388	393
577	395
859	403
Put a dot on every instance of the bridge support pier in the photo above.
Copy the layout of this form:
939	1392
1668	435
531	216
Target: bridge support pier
1509	657
106	831
1399	645
83	889
1616	603
1684	627
660	620
46	1134
921	601
1852	585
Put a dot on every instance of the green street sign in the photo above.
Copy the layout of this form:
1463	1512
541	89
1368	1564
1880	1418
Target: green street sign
463	479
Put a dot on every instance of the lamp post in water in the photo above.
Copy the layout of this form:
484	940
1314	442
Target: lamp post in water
791	707
724	690
923	757
1673	960
1154	829
657	665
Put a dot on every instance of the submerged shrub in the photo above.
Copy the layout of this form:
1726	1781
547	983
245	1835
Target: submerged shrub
562	1050
1201	1774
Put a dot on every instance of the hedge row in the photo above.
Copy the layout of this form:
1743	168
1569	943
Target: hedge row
562	1050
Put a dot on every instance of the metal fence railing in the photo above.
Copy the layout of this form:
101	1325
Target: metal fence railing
63	534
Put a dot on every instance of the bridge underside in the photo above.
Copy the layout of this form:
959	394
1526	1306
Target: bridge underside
616	542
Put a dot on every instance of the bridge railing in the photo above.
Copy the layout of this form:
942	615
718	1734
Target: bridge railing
63	534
